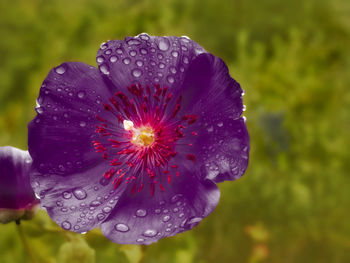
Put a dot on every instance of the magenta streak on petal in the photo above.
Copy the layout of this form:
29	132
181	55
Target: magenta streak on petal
154	109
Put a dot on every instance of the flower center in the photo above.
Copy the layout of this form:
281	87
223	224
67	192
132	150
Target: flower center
143	136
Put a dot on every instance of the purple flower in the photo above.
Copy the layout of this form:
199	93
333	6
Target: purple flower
138	145
17	200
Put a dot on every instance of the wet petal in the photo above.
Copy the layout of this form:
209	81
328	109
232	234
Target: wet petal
61	135
147	59
78	202
144	219
222	143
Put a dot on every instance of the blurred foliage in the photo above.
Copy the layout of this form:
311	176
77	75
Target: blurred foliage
291	57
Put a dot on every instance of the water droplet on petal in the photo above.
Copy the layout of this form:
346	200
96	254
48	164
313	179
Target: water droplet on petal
95	203
175	54
136	73
60	70
104	45
143	51
139	63
185	60
163	44
100	216
66	195
176	198
140	240
80	194
121	227
113	59
150	233
166	218
107	209
132	53
210	128
100	59
126	61
141	212
170	79
81	94
82	124
220	124
66	225
119	51
104	69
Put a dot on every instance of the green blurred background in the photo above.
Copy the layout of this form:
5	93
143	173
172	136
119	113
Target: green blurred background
291	57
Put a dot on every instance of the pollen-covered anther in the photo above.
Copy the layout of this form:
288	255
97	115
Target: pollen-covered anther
143	136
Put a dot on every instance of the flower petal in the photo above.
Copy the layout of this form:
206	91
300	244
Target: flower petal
78	202
144	219
15	190
147	59
222	142
60	137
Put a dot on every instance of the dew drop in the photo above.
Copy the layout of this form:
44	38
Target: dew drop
82	124
185	60
143	51
176	198
119	51
175	54
150	233
95	203
80	194
140	240
172	70
161	65
66	225
132	53
103	45
107	209
163	44
100	60
100	216
126	61
139	63
166	218
170	79
113	59
220	124
121	227
136	73
141	212
104	69
60	70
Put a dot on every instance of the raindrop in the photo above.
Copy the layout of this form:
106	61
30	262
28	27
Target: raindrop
59	203
126	61
95	203
181	215
39	110
244	108
113	59
150	233
220	124
66	225
175	54
121	227
136	73
132	53
107	209
161	65
141	212
163	44
193	220
119	51
157	211
104	69
172	70
82	124
80	194
103	45
176	198
166	218
139	63
170	79
107	52
100	216
175	210
185	60
140	240
100	60
143	51
60	70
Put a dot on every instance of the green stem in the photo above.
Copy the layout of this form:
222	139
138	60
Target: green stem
25	242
